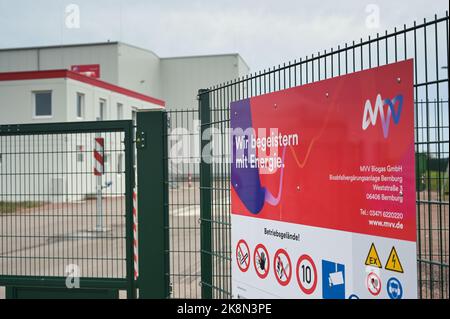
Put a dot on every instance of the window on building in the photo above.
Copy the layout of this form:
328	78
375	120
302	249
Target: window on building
80	154
43	103
119	111
80	105
102	110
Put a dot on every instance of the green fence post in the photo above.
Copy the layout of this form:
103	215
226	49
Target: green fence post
129	185
151	144
205	197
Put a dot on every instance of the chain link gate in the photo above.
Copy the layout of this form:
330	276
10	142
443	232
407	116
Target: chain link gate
427	43
60	222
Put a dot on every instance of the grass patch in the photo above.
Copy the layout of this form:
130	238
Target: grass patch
12	207
436	179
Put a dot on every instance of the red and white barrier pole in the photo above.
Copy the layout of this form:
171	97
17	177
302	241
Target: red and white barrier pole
99	162
135	236
99	168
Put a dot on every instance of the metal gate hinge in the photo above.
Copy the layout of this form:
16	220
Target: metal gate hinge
140	140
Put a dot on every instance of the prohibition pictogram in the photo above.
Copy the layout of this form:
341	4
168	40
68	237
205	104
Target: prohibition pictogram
373	284
242	255
261	261
282	267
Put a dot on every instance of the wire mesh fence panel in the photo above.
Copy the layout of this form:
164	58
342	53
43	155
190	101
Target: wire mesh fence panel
64	198
425	42
183	203
221	209
432	198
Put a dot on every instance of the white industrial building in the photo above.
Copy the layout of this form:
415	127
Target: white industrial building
174	80
66	96
89	82
61	166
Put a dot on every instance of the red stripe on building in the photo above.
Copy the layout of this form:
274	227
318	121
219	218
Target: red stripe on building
54	74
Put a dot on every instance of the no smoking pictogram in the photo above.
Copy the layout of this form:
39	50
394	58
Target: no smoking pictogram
306	274
282	267
242	255
373	284
261	261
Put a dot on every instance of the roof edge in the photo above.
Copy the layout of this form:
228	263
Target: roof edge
63	73
201	56
56	46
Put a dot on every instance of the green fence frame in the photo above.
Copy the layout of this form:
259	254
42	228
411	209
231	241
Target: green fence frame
205	200
152	192
32	286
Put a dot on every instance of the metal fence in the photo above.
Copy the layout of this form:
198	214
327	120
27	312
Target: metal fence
427	43
183	204
55	221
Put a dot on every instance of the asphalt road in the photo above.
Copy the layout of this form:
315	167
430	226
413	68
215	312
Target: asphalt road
43	241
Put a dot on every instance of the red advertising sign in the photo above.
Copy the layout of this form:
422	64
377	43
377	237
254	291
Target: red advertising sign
346	154
91	70
327	170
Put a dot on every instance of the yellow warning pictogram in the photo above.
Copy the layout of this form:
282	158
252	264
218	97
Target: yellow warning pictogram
372	258
393	263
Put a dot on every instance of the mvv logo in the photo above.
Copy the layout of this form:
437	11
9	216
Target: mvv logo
371	113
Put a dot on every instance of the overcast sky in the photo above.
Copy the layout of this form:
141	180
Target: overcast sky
264	32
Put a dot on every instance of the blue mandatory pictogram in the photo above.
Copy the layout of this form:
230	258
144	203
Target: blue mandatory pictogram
333	280
353	296
394	288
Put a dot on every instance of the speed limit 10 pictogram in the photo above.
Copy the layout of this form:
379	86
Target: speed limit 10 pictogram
306	274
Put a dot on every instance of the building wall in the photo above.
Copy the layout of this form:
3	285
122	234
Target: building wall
17	104
139	70
243	66
175	80
34	168
55	171
181	78
17	101
47	167
48	58
92	102
18	60
65	57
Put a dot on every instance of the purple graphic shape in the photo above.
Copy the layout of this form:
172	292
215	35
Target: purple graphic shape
245	180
